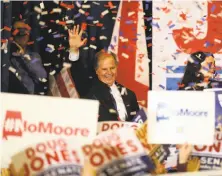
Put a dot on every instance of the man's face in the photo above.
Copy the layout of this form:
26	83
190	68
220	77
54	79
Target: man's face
107	70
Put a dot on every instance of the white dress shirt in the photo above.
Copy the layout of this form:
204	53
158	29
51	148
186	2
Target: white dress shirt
119	102
73	56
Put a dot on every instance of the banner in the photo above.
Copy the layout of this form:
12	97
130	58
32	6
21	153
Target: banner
210	156
181	120
181	28
31	119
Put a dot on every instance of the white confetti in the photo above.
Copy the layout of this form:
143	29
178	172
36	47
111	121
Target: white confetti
217	40
123	39
27	56
214	16
37	9
47	64
96	3
81	11
112	111
43	80
3	65
70	22
105	12
41	23
78	4
13	70
94	22
57	10
67	65
93	46
44	13
42	93
86	48
125	55
56	1
102	37
50	30
52	72
133	113
42	5
86	6
130	13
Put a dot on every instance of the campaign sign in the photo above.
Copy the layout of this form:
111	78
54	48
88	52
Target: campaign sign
30	119
210	156
112	125
118	152
218	108
177	117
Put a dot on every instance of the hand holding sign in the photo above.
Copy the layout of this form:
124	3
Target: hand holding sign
184	153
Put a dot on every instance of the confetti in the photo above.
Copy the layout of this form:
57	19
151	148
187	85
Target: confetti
133	113
90	18
81	11
70	22
47	64
217	40
52	72
104	13
214	16
6	28
123	91
27	56
44	13
56	1
37	9
96	3
67	65
78	4
112	111
102	37
86	6
94	22
56	10
125	55
42	79
13	70
42	5
93	46
67	6
130	13
161	86
41	23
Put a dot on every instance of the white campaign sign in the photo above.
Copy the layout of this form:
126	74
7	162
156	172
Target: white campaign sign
28	120
177	117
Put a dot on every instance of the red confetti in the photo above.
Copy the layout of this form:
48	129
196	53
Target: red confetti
93	38
84	26
15	32
7	28
183	16
3	40
110	4
61	48
20	16
141	69
99	24
25	2
63	23
149	44
30	43
67	6
180	85
86	14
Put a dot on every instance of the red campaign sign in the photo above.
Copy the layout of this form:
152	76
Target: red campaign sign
12	124
189	43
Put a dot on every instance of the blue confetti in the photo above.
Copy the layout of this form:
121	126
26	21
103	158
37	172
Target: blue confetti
163	87
213	8
90	18
129	22
148	38
56	36
149	19
171	26
77	15
155	24
146	6
40	38
206	44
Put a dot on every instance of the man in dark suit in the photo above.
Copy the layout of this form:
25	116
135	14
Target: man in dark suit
116	101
